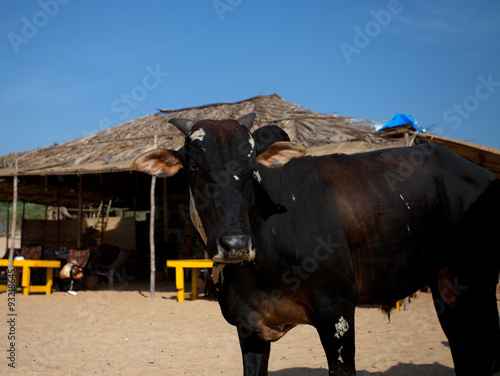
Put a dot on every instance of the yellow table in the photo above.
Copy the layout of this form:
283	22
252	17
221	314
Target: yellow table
26	265
179	266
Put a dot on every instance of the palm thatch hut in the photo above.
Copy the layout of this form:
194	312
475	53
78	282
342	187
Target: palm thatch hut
96	168
50	175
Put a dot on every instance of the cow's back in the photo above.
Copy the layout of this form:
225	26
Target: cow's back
390	214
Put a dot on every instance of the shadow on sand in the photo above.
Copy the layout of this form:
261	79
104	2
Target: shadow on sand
401	369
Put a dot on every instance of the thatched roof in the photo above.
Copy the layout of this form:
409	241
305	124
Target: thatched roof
113	149
53	175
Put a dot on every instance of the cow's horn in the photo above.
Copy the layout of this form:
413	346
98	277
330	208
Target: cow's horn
184	125
247	120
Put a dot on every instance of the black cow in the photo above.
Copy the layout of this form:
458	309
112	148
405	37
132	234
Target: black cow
308	241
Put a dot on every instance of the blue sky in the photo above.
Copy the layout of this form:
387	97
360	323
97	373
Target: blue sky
69	68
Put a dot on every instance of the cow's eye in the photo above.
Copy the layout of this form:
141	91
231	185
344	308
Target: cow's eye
193	167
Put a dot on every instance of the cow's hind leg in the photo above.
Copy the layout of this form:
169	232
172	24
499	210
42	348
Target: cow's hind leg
255	353
335	326
472	325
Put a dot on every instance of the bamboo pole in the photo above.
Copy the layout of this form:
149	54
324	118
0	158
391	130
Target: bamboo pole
14	218
45	224
22	223
152	233
58	243
79	233
8	228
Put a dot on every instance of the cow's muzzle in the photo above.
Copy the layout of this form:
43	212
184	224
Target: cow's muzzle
233	249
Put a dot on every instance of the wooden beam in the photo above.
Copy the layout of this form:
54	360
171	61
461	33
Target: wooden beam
22	222
14	218
152	278
79	231
58	242
8	228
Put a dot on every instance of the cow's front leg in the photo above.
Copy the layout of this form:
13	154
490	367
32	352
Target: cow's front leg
336	330
255	353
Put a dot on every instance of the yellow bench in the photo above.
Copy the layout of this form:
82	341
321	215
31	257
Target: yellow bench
179	266
26	265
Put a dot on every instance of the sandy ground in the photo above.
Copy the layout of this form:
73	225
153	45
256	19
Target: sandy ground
124	332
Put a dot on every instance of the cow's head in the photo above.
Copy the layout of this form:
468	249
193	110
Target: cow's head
220	157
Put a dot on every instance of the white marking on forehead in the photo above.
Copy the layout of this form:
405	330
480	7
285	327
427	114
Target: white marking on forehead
198	135
257	177
252	146
195	218
293	197
235	177
341	327
340	356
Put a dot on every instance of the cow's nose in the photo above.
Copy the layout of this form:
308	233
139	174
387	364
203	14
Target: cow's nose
235	243
234	249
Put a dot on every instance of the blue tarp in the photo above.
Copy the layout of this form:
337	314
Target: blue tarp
402	119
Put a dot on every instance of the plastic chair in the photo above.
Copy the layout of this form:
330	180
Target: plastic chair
31	252
115	268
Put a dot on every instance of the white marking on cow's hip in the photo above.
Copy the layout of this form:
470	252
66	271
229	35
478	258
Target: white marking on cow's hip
341	327
198	135
195	218
257	177
235	177
402	198
340	356
293	197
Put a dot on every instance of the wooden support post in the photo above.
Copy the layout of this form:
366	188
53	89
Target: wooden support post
152	233
407	136
22	222
8	228
79	232
58	243
46	224
14	218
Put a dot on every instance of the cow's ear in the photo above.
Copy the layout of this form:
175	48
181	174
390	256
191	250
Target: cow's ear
280	153
159	162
